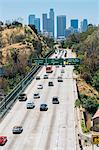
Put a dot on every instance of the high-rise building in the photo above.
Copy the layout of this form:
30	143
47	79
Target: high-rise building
74	25
61	26
31	19
34	21
44	18
48	23
84	25
37	24
51	16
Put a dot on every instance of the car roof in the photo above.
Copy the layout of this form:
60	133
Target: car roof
17	127
44	104
55	96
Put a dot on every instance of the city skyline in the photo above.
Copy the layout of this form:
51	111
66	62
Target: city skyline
73	9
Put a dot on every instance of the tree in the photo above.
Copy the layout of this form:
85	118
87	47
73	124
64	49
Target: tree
33	28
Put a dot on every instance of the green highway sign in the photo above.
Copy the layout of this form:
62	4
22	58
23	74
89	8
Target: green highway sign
56	61
38	61
71	61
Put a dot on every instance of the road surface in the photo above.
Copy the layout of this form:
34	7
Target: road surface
49	130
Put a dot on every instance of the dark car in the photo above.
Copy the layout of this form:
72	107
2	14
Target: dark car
37	77
63	65
3	140
22	97
50	83
45	76
17	129
55	100
43	107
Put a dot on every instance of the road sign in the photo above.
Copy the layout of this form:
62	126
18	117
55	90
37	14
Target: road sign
72	61
40	61
56	61
95	139
48	61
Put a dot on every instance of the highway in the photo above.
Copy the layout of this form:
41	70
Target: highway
53	129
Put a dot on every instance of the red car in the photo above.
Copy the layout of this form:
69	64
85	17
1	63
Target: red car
3	140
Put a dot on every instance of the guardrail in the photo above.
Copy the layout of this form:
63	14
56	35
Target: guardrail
12	96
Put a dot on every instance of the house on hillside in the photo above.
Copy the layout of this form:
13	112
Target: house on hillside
96	121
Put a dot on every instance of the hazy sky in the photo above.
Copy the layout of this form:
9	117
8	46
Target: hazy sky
13	9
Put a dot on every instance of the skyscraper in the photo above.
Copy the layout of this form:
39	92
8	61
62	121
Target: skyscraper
31	19
84	25
61	26
74	24
37	24
44	18
34	21
51	16
48	23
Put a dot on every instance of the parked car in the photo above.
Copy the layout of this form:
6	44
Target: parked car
17	129
36	95
60	79
30	105
43	107
3	140
45	76
37	77
50	83
22	97
55	100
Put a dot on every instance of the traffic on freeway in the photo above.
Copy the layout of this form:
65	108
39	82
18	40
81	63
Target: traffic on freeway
43	117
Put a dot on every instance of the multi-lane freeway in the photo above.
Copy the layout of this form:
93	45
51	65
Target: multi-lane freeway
53	129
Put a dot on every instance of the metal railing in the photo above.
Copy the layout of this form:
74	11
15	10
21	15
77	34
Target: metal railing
8	101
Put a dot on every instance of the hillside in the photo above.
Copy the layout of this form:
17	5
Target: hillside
19	44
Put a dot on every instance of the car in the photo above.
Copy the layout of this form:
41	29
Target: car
40	86
62	71
63	65
17	129
30	105
55	100
45	76
37	77
22	97
3	140
43	107
57	66
60	79
36	95
50	83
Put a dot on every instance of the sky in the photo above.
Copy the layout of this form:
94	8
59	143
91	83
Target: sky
80	9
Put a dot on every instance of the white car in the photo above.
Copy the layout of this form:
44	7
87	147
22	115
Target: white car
30	105
40	86
36	95
59	79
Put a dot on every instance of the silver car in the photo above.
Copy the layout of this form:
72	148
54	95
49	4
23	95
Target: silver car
17	129
30	105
